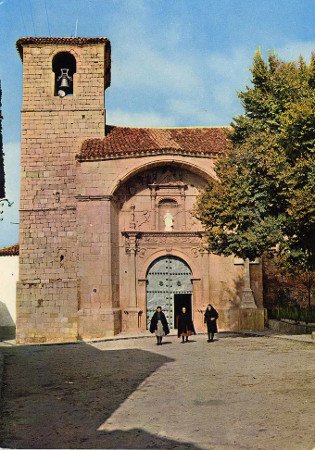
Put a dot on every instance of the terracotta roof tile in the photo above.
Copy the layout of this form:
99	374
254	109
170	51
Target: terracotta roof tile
12	250
120	141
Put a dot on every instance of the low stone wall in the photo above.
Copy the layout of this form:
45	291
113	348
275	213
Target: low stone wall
290	327
252	319
238	319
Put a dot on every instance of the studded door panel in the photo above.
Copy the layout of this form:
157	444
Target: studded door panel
167	275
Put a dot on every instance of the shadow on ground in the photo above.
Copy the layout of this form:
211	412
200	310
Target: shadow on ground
7	325
243	334
58	396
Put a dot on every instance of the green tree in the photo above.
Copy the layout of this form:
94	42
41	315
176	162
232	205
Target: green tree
265	196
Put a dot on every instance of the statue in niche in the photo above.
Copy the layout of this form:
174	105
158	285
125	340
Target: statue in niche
168	222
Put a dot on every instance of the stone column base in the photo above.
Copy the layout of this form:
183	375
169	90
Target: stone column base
238	319
252	319
94	324
133	320
228	319
248	299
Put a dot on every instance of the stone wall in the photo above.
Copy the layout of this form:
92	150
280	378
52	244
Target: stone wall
52	131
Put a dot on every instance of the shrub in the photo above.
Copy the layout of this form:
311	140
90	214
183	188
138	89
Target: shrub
295	313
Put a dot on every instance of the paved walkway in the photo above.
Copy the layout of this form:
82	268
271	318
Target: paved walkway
146	334
238	393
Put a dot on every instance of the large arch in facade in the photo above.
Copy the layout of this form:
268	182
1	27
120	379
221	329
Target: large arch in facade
190	166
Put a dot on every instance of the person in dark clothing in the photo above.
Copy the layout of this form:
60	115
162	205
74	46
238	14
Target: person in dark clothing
185	327
159	325
211	316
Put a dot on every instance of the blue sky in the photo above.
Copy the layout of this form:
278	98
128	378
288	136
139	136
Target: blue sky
174	62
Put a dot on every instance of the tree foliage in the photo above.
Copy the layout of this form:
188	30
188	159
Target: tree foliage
265	196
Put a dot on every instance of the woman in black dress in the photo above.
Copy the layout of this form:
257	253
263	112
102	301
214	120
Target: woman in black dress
211	316
185	326
159	325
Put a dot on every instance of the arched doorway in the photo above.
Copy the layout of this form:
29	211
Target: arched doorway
169	285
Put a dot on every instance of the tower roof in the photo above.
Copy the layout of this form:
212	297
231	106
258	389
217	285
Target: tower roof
126	141
58	41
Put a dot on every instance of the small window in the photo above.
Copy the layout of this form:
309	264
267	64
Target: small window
64	67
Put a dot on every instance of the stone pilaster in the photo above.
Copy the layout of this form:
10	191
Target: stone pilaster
99	313
248	300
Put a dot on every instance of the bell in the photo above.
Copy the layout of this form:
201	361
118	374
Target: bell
65	78
64	82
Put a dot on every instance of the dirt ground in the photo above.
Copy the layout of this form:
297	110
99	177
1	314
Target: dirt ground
238	393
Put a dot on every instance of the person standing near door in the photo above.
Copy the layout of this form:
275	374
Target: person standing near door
211	316
185	325
159	325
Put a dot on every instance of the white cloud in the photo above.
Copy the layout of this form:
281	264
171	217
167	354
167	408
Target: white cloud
194	87
292	50
150	68
197	109
147	68
230	74
169	83
134	119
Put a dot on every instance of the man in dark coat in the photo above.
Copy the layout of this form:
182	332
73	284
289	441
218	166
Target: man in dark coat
211	316
185	327
159	325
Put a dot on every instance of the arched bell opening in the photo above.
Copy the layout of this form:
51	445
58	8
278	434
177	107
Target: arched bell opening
169	285
64	67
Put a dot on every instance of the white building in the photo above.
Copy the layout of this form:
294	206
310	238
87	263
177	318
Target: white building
9	274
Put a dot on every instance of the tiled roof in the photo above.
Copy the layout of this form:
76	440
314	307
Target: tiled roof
124	141
58	40
12	250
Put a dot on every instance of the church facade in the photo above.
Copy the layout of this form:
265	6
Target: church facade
107	225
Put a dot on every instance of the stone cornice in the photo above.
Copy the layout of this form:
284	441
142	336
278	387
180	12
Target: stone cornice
166	234
60	108
67	208
168	186
91	198
142	154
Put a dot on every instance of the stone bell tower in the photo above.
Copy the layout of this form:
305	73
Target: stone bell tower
63	103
